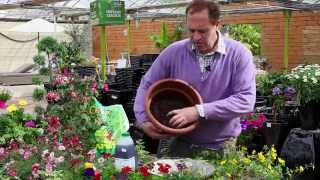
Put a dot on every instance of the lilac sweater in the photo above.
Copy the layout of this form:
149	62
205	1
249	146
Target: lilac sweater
228	91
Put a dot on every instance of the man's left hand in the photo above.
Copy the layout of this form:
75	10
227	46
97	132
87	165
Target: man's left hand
182	117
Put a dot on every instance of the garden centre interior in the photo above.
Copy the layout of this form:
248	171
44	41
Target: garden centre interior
70	71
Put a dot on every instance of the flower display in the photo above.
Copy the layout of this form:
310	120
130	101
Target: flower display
305	79
253	121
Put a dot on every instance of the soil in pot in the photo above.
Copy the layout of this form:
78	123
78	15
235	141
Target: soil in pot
165	102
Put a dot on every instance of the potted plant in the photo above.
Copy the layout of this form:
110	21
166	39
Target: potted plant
4	97
164	39
305	79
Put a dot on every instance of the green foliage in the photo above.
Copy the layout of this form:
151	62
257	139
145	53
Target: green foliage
142	154
12	128
266	82
44	71
164	39
39	60
36	80
249	34
38	94
48	44
5	95
71	54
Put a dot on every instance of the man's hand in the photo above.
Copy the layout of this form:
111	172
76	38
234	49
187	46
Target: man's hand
153	132
183	117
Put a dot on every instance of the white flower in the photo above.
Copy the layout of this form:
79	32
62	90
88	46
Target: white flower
305	80
51	157
21	151
101	160
314	80
296	76
61	148
317	73
59	160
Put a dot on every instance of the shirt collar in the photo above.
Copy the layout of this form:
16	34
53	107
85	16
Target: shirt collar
220	48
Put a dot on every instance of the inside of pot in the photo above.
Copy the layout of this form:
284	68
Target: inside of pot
165	101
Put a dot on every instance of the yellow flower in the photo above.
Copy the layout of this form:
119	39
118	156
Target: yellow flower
234	161
223	162
12	108
88	165
273	155
301	169
246	160
281	161
273	150
22	102
244	148
261	157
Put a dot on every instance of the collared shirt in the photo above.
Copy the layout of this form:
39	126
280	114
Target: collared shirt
205	60
228	91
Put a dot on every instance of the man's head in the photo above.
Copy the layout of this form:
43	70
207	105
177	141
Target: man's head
202	23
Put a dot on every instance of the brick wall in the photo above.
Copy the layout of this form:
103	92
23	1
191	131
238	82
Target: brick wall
304	36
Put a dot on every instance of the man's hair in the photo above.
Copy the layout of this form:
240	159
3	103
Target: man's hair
199	5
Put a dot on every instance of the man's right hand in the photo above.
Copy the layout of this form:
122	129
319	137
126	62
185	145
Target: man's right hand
153	132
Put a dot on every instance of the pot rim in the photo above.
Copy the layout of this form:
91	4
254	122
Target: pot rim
167	129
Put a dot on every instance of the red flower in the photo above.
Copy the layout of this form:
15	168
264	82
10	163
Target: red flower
74	140
164	168
54	122
97	175
75	162
14	145
106	155
144	171
126	170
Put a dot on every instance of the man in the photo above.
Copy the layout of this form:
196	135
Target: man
221	70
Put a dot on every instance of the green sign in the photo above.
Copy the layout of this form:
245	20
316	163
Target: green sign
107	12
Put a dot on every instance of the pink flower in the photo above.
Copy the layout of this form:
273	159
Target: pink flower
35	168
3	105
12	173
2	151
30	123
27	155
61	80
73	94
53	97
49	168
105	87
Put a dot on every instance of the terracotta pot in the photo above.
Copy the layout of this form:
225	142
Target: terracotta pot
167	95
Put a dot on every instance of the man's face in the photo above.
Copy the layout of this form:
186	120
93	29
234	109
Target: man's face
202	31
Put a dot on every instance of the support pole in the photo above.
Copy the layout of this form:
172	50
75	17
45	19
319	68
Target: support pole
287	16
103	47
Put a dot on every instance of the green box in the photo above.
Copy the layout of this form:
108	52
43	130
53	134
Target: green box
107	12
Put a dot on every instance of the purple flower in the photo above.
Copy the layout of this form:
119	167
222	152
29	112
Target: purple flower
276	91
30	123
244	124
289	91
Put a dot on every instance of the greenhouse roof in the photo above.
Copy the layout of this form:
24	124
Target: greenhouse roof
23	10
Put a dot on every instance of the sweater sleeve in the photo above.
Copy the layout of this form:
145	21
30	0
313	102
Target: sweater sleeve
243	95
